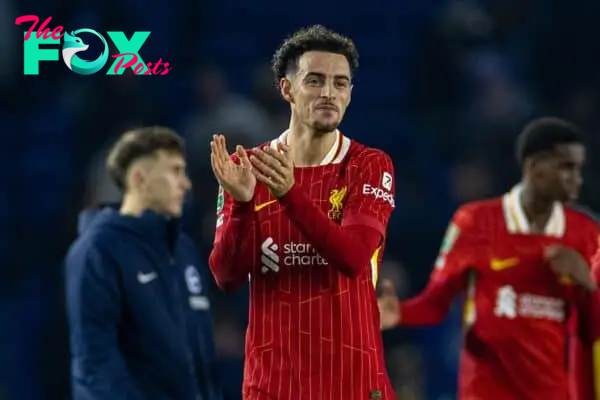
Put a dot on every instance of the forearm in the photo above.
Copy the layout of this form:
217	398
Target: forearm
431	306
342	247
231	256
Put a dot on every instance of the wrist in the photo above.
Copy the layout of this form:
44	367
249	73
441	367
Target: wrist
288	196
240	206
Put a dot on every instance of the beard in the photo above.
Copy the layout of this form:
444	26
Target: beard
324	127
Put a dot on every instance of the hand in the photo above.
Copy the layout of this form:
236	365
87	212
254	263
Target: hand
236	179
389	305
274	168
568	262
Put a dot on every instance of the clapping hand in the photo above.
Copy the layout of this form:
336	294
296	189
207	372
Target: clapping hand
236	179
274	168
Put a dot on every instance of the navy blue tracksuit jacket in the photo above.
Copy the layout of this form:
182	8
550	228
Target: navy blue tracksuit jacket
138	311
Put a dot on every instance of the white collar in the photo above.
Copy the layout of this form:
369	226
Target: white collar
335	155
517	222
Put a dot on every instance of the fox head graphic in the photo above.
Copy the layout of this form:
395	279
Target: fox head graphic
72	45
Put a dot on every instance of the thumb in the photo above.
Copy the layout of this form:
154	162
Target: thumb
388	289
243	157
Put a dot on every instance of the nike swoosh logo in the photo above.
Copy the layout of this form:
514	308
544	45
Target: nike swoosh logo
145	278
501	264
259	207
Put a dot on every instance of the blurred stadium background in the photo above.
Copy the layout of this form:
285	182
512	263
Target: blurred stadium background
444	87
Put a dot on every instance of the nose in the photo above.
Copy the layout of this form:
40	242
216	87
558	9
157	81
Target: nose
573	181
578	178
327	90
187	183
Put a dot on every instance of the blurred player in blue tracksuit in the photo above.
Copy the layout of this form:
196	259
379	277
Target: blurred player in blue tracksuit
139	314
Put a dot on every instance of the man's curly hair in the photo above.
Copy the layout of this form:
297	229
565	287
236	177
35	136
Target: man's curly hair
313	38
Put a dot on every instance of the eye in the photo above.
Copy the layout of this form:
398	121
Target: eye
314	80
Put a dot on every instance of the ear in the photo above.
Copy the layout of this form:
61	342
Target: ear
533	167
136	178
286	90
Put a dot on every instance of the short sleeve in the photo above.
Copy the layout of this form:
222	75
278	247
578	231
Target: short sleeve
463	244
371	191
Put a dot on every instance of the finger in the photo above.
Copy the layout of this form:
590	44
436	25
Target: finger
284	147
265	169
244	160
283	155
268	159
216	157
585	279
222	147
226	155
212	162
215	147
263	178
213	154
276	154
582	276
216	167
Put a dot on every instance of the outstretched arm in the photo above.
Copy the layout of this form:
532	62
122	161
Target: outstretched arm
463	245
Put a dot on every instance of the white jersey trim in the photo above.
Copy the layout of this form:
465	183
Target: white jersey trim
335	155
517	222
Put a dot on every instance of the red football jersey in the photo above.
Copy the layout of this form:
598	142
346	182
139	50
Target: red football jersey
517	309
314	330
585	346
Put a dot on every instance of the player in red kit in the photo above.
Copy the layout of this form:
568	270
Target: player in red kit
521	260
585	344
305	217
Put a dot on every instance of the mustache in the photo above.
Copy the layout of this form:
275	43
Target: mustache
325	105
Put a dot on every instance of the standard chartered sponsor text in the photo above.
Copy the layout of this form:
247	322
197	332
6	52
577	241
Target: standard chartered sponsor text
301	254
